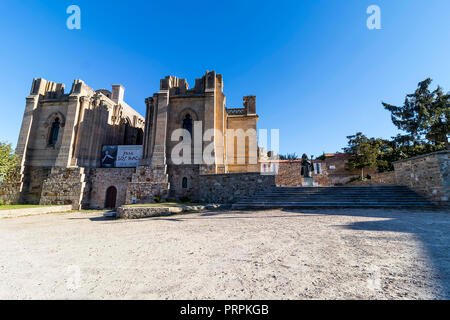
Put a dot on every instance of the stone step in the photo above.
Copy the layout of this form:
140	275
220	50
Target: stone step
354	196
328	205
332	200
333	195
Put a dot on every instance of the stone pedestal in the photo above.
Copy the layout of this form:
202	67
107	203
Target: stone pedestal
308	182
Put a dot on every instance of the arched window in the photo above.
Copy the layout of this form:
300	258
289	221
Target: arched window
184	183
53	137
139	136
187	123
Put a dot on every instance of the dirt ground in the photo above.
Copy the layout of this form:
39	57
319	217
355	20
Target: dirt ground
316	254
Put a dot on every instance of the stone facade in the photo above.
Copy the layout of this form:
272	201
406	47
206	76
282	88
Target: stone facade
428	175
62	135
173	160
184	181
61	138
230	187
100	179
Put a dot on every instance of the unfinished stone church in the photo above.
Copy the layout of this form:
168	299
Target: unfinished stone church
63	135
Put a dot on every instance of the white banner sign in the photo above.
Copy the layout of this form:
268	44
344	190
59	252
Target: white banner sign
128	156
121	156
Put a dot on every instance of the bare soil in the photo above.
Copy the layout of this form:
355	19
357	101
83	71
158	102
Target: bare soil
314	254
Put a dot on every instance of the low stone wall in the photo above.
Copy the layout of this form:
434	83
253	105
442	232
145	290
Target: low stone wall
428	175
230	187
10	192
142	212
128	212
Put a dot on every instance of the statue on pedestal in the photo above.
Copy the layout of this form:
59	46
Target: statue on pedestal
307	167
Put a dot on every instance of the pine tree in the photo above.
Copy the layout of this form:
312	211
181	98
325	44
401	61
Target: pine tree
424	115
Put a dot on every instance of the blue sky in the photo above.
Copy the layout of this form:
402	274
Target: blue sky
318	73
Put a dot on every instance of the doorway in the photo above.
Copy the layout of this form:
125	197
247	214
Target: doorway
111	195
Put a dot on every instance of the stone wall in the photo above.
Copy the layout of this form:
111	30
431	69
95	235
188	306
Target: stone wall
10	192
146	183
428	175
176	175
103	178
381	178
230	187
289	173
65	186
33	179
338	173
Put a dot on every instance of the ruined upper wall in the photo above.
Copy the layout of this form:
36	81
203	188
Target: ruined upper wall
86	120
249	108
180	87
48	90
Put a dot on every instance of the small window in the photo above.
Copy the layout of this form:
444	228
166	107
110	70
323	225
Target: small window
184	183
318	168
53	137
332	167
187	123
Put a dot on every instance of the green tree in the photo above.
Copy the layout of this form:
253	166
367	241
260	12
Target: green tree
364	152
424	115
8	161
402	147
289	156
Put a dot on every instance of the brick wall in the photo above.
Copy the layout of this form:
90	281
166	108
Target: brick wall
289	172
427	174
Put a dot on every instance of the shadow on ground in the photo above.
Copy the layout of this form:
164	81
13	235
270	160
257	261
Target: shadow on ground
432	228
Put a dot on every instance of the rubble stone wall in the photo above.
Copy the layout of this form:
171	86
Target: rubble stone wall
9	192
381	178
103	178
230	187
428	175
65	186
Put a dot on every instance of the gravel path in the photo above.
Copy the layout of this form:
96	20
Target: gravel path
316	254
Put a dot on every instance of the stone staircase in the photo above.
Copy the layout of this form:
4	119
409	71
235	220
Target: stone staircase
335	197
